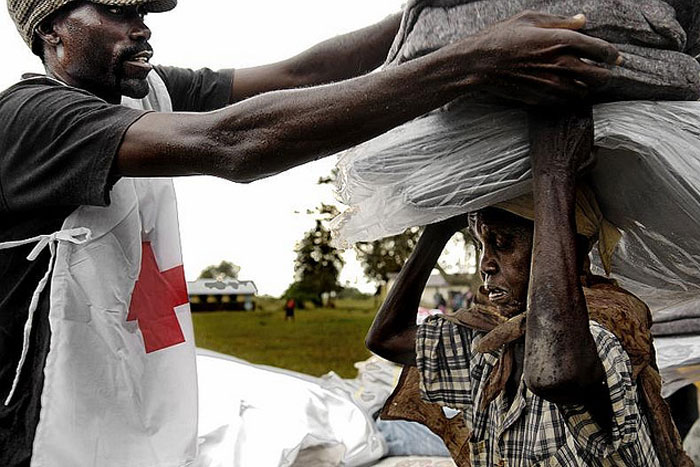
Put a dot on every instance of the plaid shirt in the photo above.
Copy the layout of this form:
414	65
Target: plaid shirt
532	431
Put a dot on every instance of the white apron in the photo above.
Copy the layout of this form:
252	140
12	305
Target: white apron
120	385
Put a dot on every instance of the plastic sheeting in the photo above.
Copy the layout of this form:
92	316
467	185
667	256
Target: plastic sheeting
416	461
252	415
464	158
375	381
678	358
259	416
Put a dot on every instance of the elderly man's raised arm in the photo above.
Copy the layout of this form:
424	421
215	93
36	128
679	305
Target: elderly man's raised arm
561	359
393	332
538	55
339	58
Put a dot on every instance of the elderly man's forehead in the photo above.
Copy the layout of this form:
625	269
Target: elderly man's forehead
493	219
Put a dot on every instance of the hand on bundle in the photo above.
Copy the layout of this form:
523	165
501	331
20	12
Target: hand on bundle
561	141
541	59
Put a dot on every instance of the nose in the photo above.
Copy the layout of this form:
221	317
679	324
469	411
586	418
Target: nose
488	264
139	31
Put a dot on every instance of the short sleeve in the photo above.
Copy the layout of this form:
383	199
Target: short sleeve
444	361
200	90
58	146
627	419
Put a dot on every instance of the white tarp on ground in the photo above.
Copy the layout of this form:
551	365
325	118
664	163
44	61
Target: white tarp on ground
256	416
259	416
416	461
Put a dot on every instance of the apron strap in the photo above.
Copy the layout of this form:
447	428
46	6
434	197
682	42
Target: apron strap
75	236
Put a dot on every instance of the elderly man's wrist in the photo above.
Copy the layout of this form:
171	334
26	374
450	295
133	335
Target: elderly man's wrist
559	172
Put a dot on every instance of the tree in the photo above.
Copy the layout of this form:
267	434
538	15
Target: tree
317	265
461	268
384	257
225	270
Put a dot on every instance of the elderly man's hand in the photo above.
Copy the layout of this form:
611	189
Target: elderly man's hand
561	141
541	59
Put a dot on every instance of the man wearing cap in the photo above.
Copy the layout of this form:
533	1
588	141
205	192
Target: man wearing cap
73	369
552	365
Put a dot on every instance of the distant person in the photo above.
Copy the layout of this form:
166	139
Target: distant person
457	301
289	308
468	298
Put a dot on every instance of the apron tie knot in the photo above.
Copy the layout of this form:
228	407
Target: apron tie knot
75	236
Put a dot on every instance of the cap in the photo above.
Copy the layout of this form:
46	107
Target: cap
28	14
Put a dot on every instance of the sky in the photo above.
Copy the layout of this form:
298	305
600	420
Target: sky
256	226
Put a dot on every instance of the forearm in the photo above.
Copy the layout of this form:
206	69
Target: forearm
273	132
561	357
348	55
393	332
340	58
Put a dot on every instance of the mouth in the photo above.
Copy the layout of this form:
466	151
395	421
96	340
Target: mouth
497	295
138	63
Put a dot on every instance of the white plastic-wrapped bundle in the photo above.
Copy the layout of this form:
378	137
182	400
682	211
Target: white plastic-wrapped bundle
464	158
461	159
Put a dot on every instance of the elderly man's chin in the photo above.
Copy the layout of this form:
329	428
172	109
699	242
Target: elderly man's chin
134	88
510	309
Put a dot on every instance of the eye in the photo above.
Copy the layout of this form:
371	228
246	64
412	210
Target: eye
503	242
115	10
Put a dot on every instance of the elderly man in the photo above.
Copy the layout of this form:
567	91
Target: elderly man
82	383
573	383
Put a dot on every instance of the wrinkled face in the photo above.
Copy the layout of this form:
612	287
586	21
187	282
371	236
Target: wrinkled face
104	49
506	249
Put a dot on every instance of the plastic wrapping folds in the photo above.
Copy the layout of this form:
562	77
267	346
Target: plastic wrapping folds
471	155
465	158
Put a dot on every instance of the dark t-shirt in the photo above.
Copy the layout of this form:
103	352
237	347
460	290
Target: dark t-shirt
57	150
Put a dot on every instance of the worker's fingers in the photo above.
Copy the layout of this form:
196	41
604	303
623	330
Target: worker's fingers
592	75
594	49
571	67
548	21
564	31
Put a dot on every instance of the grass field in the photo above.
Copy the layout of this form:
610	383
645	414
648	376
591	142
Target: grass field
316	342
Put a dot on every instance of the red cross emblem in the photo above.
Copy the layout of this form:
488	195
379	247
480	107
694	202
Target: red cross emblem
156	294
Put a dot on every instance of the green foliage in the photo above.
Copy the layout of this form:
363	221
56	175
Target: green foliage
316	267
314	343
381	258
225	270
353	293
301	293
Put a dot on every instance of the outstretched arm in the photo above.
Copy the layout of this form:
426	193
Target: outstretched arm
336	59
393	332
561	359
538	54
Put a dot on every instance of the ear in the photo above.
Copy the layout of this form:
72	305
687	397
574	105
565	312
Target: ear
46	32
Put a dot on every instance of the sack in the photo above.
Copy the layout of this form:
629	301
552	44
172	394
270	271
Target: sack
657	38
470	155
466	158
